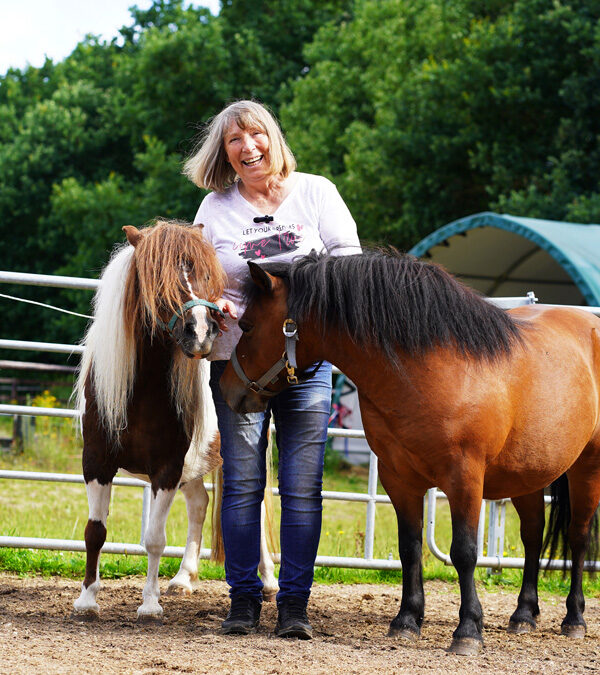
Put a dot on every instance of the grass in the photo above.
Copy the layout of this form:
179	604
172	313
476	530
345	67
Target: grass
58	510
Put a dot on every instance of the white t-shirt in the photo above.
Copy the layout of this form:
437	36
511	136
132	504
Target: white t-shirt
312	216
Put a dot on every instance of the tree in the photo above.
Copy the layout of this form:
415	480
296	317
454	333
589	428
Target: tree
271	35
469	106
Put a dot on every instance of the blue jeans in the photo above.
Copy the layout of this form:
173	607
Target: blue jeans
301	413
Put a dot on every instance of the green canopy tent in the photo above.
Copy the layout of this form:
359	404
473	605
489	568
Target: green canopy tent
503	256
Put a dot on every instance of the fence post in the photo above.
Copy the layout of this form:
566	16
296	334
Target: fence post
496	533
481	529
23	430
372	491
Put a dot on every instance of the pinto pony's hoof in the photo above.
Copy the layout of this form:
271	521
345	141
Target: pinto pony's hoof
269	596
179	590
150	619
576	632
465	646
520	627
85	615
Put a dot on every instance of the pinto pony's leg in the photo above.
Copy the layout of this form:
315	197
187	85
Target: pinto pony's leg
531	513
266	566
95	535
196	501
155	541
268	532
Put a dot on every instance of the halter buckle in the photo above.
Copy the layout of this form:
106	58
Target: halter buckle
290	329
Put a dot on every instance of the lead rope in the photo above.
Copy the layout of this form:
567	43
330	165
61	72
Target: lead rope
43	304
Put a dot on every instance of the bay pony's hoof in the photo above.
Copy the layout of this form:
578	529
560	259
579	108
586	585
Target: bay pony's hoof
405	634
465	646
575	632
520	627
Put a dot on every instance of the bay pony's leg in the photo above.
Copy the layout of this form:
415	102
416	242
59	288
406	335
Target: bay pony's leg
196	501
584	494
98	494
155	541
531	513
409	513
464	490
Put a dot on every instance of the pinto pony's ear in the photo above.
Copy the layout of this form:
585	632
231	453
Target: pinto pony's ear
133	234
261	278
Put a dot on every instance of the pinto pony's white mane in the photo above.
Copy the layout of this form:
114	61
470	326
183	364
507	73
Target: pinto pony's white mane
107	355
110	359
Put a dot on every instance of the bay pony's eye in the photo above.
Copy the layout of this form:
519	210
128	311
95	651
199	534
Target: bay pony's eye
245	326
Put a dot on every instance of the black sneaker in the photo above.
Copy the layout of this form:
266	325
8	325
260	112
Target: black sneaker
292	621
243	615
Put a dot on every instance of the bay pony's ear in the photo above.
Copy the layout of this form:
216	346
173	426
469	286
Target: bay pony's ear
261	278
133	234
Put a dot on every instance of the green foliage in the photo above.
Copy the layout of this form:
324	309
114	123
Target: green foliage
427	111
271	35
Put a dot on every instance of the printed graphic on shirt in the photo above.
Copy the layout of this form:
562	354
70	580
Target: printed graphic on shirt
269	246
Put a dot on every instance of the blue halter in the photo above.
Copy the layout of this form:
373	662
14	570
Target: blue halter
183	309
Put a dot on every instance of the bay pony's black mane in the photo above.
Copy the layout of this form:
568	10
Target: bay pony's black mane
392	301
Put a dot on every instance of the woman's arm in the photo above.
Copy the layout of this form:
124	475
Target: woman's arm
336	224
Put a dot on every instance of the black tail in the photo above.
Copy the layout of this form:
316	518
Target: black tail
556	540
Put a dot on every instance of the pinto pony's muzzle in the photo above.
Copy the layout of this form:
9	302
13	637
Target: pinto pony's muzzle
185	330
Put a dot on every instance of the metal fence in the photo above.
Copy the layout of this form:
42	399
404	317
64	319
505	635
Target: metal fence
496	510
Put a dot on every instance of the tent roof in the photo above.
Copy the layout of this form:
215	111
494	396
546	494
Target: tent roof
504	255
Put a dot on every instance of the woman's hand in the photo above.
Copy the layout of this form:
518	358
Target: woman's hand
227	307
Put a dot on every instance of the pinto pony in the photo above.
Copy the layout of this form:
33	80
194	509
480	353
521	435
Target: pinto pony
145	398
454	392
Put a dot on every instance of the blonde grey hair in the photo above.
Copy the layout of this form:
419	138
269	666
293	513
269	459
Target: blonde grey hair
208	166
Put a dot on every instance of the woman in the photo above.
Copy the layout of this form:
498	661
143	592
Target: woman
260	208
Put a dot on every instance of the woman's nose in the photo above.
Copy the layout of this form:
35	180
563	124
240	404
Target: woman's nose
248	142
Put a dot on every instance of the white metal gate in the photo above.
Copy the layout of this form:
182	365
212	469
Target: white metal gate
496	510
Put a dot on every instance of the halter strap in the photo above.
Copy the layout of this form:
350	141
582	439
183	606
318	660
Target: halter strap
286	362
183	309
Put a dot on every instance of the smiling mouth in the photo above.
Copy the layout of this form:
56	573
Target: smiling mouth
253	161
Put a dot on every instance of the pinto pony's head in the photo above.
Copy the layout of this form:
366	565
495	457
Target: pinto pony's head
172	267
166	267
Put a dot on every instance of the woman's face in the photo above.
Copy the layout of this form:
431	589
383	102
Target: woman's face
248	152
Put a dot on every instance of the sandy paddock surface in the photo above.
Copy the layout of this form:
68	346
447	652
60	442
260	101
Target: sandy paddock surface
38	635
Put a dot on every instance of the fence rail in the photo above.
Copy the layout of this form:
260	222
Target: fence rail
494	560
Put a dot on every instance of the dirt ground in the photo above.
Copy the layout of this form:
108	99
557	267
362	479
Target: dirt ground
38	635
